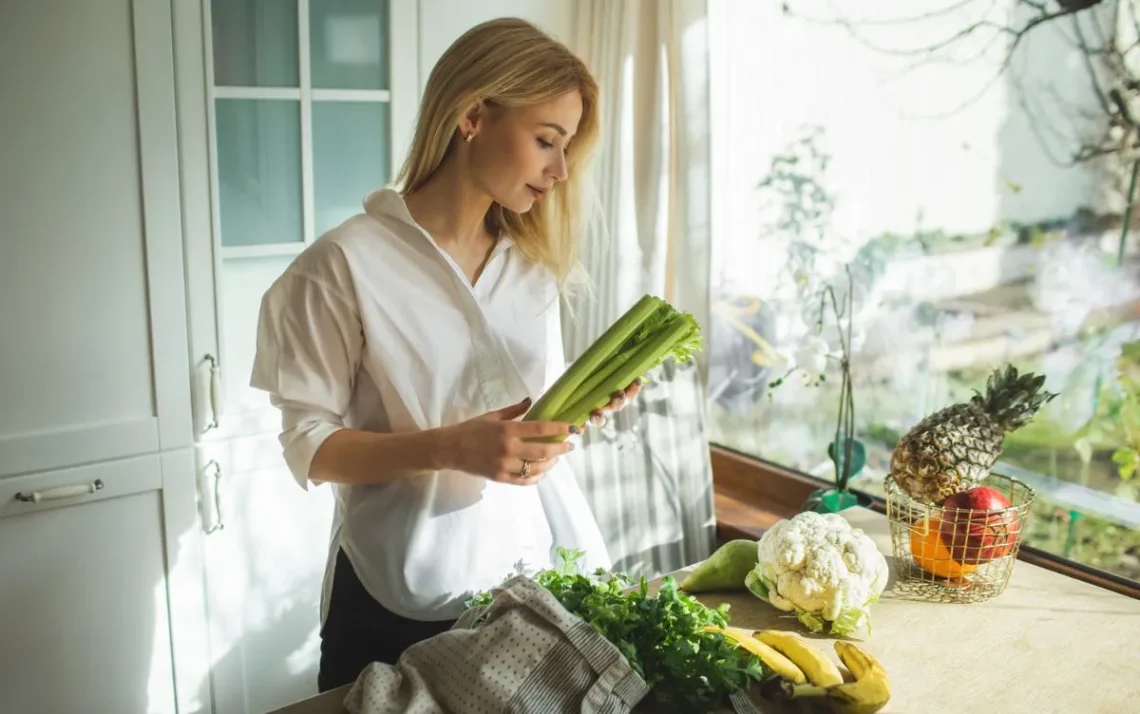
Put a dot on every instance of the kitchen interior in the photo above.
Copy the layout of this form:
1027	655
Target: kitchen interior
164	162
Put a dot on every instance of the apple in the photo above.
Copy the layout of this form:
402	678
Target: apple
978	525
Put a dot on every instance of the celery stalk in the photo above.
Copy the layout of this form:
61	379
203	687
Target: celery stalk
597	356
648	355
663	316
605	373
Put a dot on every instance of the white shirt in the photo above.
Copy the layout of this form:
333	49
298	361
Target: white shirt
374	327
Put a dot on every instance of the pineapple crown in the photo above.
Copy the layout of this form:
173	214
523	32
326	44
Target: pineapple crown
1012	399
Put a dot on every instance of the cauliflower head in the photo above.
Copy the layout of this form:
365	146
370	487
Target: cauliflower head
819	567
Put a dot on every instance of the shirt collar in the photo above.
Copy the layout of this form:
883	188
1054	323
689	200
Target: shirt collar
389	203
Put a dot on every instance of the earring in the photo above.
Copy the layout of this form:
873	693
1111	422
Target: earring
467	139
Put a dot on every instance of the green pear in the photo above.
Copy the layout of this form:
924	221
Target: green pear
725	569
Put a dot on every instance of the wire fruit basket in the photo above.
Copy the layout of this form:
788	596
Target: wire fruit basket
957	554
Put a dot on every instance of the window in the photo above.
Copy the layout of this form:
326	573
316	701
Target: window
301	124
940	185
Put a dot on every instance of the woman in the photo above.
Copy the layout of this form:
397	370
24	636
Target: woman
402	346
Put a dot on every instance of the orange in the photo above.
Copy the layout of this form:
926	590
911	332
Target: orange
931	553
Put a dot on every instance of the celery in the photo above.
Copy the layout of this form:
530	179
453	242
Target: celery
679	338
597	356
645	336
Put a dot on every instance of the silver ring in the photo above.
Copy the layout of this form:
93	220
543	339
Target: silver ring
525	470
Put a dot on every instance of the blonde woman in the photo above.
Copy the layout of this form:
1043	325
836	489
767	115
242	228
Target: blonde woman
403	345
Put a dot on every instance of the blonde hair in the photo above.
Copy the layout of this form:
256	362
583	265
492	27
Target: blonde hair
510	62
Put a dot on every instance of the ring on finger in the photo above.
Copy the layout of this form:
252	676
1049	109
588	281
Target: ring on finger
525	470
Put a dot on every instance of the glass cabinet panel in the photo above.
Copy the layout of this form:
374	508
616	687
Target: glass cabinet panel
350	158
259	171
255	43
348	44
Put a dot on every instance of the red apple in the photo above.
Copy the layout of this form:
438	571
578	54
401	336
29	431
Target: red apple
979	525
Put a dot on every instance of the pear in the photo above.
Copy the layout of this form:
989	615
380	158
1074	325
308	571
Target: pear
725	569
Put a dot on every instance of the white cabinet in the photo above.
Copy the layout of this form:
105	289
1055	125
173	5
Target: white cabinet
93	354
99	614
264	562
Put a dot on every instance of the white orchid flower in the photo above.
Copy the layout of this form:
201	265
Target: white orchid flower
812	353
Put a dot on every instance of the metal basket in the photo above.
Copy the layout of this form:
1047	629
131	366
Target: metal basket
956	554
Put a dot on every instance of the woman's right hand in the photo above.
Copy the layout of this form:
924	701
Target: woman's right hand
495	446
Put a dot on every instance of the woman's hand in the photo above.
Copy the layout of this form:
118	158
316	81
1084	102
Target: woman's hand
495	446
620	399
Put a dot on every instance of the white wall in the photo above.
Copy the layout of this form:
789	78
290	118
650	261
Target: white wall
442	21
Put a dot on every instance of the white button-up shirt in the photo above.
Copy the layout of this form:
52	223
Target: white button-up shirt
374	327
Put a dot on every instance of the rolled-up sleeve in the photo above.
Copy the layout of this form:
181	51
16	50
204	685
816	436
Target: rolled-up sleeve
309	341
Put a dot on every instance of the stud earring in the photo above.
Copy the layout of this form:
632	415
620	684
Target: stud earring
467	139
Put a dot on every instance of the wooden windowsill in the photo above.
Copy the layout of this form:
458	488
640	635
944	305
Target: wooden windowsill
751	495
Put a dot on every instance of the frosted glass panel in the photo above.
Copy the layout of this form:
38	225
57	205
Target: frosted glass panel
259	171
350	157
255	43
348	43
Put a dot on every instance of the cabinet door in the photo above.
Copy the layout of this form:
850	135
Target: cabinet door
94	327
264	558
98	567
290	112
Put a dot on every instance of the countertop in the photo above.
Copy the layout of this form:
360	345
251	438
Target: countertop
1049	643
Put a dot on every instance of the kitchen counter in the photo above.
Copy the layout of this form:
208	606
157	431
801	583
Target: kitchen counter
1049	643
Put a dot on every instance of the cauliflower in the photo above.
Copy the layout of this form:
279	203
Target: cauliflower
821	568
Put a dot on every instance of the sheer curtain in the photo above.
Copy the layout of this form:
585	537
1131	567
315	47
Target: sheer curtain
647	473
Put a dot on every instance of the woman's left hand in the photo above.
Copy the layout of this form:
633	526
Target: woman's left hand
620	399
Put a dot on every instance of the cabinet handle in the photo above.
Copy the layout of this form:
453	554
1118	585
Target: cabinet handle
218	523
215	392
60	492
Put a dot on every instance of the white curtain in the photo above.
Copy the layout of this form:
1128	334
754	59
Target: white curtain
647	473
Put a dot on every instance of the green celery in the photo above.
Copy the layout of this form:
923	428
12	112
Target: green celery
597	356
678	339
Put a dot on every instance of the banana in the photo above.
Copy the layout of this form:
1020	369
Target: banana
868	694
862	664
871	689
820	670
775	661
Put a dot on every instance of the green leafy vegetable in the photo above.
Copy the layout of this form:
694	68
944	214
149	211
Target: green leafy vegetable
687	668
649	333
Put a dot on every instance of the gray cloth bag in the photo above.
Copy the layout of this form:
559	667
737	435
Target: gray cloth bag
529	654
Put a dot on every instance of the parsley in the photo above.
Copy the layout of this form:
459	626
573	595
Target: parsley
687	668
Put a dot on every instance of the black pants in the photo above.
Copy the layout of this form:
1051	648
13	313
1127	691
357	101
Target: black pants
359	631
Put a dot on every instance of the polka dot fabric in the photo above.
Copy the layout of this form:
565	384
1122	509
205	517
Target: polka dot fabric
523	653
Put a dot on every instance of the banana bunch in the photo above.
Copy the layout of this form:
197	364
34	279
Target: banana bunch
805	673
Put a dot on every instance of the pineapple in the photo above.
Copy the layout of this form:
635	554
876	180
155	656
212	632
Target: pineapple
953	449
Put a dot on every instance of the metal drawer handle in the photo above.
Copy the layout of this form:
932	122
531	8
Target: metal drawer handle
60	492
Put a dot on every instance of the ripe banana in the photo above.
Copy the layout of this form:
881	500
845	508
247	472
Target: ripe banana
775	661
820	670
862	664
868	694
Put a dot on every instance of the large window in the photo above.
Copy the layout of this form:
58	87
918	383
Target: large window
854	145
